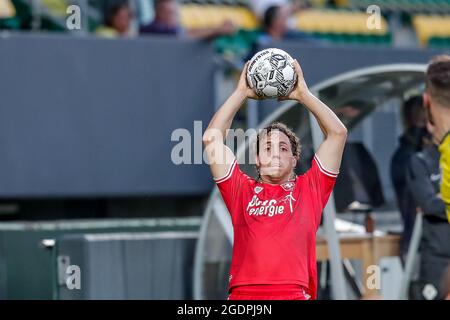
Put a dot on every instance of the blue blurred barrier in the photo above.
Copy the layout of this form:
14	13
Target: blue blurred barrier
126	266
94	117
29	256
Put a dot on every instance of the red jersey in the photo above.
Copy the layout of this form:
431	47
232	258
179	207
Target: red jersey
275	226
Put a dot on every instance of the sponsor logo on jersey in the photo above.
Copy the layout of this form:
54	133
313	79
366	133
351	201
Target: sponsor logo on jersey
257	207
289	198
258	189
435	177
288	186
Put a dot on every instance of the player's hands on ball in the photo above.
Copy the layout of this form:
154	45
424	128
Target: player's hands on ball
243	86
300	90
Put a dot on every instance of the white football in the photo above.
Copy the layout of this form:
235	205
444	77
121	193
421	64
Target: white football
271	73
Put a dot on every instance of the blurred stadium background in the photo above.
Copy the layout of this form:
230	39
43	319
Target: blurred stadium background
86	123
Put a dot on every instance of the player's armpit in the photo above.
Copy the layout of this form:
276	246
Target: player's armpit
220	159
331	150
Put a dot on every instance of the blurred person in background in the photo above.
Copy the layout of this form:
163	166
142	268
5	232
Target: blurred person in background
446	284
275	26
414	121
166	22
423	181
118	19
260	7
437	103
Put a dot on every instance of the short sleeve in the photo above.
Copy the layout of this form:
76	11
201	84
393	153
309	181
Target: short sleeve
231	186
320	183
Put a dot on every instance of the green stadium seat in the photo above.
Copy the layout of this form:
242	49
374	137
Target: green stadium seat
439	42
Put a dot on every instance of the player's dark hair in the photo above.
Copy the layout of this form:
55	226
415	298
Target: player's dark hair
437	79
281	127
278	126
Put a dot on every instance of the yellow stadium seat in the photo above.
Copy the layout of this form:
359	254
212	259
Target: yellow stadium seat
428	26
346	22
56	7
342	3
207	16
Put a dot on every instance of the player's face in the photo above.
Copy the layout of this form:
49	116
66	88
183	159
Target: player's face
275	159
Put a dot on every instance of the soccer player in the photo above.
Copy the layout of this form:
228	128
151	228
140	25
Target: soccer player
275	216
437	101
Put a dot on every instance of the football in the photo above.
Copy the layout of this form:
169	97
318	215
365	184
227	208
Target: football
271	73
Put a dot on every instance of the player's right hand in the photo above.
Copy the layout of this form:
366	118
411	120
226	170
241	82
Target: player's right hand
243	86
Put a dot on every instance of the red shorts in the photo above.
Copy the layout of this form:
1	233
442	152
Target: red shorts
270	292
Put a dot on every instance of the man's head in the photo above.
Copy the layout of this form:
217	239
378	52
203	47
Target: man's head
166	12
277	152
275	21
437	85
119	17
413	113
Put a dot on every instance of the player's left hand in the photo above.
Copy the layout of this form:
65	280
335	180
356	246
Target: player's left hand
301	89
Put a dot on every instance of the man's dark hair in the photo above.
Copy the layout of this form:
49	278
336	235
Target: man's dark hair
437	79
112	10
269	16
156	3
411	110
294	140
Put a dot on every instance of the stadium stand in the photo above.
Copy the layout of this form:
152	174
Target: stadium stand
338	21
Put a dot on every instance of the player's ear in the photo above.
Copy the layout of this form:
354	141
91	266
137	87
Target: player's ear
258	164
294	161
427	105
426	99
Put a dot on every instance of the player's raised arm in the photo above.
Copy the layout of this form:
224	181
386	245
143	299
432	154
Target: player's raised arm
219	156
330	151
